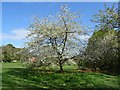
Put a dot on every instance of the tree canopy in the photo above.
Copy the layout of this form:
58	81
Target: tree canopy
103	47
55	36
107	18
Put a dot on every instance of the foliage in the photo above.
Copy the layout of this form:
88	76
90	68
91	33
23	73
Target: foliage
55	37
102	50
10	53
107	18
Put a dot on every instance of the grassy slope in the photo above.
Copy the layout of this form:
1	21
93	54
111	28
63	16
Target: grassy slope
16	77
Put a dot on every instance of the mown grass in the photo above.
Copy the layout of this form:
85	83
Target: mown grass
16	77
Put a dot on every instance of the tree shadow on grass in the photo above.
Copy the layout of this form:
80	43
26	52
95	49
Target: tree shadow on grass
25	79
18	79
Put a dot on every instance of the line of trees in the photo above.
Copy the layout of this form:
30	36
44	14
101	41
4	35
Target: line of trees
10	53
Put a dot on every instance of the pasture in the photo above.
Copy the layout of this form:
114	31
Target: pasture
16	77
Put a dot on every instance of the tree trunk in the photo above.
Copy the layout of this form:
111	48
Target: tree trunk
94	66
61	67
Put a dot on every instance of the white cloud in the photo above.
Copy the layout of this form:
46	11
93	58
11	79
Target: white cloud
17	34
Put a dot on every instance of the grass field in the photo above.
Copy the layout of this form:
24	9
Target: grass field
16	77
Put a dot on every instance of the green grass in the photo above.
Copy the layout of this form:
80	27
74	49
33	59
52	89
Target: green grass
16	77
12	65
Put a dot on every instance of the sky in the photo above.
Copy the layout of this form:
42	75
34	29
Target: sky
17	17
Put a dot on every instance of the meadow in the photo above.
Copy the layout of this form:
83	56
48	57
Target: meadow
16	77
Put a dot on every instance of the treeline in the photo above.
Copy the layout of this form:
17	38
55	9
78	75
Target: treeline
10	53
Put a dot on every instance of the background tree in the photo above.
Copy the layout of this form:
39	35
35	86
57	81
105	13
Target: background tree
10	53
102	50
107	18
1	55
55	37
